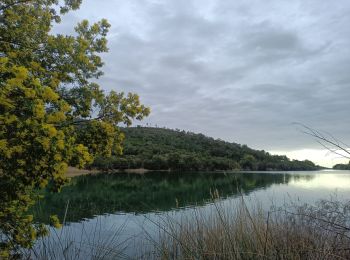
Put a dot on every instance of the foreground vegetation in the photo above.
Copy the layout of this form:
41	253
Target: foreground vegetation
227	229
164	149
290	232
52	113
293	231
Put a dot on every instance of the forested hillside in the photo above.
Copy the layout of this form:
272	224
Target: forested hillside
341	166
165	149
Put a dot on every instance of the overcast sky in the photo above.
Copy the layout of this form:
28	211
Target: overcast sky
238	70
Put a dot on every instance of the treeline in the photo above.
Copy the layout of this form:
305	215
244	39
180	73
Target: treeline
341	166
165	149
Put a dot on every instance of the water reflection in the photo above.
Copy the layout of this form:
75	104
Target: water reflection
100	194
326	180
134	204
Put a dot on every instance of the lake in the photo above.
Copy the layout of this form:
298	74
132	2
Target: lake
124	210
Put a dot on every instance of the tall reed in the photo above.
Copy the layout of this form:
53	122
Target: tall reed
81	242
293	231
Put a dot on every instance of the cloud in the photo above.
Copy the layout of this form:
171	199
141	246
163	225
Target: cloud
241	71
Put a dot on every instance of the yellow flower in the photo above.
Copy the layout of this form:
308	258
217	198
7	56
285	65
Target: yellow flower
56	117
45	142
51	131
49	95
29	93
39	110
57	157
3	144
60	144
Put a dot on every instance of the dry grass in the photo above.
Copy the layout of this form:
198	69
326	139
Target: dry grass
69	243
292	232
240	231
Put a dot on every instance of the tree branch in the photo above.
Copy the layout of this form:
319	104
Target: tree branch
2	8
325	141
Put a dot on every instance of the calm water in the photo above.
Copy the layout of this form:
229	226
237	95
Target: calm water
129	206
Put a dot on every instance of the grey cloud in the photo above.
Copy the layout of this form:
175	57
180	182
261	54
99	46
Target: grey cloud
263	38
241	71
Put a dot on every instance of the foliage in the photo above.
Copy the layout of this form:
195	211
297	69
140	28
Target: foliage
51	113
164	149
342	166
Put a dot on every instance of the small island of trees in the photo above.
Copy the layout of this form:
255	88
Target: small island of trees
341	166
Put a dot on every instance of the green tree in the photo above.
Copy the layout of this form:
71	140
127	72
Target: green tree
248	162
51	112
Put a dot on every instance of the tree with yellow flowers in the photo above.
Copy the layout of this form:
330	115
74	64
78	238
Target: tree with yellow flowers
51	114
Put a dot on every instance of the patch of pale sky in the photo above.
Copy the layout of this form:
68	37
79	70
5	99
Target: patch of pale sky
321	157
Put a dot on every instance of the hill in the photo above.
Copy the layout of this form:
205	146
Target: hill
166	149
341	166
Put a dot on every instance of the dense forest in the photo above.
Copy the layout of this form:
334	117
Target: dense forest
166	149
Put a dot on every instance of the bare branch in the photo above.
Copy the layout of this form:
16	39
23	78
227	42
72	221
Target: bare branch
327	140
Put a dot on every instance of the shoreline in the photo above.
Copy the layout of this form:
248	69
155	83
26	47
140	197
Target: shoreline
75	172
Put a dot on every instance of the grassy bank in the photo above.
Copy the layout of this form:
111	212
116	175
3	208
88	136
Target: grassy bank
293	232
